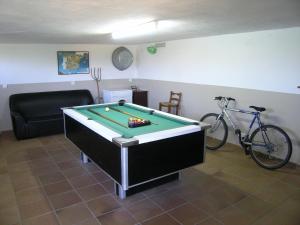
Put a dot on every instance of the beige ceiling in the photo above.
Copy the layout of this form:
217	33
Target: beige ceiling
82	21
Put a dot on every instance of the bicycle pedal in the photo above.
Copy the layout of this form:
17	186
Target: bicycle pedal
247	143
247	152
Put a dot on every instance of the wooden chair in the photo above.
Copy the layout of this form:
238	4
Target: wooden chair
174	102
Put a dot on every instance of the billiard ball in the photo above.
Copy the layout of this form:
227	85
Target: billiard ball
106	109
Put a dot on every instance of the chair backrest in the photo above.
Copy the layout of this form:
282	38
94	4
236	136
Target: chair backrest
175	97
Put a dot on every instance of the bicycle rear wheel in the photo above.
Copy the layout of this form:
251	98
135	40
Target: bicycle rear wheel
217	134
271	147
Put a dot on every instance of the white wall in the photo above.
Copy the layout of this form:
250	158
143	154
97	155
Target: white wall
265	60
257	68
37	63
33	68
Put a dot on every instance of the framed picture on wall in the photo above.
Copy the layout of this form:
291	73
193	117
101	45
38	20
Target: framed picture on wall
73	62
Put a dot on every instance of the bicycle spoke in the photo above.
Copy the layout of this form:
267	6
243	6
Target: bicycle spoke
217	134
270	147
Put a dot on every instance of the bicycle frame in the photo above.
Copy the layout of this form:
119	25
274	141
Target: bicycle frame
256	117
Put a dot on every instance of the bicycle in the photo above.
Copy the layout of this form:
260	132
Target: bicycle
269	145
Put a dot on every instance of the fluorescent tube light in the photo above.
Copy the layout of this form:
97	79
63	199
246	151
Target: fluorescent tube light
142	29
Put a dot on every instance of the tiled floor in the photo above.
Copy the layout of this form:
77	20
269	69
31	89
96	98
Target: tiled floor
42	182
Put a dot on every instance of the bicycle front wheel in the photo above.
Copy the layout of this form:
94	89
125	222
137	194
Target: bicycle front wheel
271	147
217	134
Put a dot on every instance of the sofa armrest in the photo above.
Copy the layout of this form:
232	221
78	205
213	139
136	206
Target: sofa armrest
18	123
17	116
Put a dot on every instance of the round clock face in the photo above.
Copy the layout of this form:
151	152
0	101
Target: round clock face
122	58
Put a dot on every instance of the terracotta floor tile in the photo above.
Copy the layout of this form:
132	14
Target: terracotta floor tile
62	156
118	217
3	170
51	178
261	180
130	200
74	172
228	194
9	216
56	188
254	206
144	209
210	221
7	201
188	214
293	179
69	145
229	186
90	221
73	215
276	193
25	183
232	215
37	153
210	203
30	195
109	186
239	183
47	219
161	220
34	209
65	199
276	217
91	167
103	205
168	200
82	181
93	191
41	163
52	145
47	140
156	190
189	192
55	150
17	157
100	176
44	171
19	167
289	207
68	164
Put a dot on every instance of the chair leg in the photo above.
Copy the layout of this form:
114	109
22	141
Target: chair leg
159	107
177	110
169	109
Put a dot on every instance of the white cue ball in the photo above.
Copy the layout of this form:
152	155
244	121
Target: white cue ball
106	109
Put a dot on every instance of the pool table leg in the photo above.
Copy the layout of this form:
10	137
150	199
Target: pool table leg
120	192
84	158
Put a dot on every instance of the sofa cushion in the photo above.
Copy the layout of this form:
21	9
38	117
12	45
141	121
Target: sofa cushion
44	118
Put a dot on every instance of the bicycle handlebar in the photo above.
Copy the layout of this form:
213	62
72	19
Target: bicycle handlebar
222	97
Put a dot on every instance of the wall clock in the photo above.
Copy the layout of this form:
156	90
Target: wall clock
122	58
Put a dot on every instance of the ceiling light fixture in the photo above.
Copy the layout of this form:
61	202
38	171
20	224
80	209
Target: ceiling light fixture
119	25
143	29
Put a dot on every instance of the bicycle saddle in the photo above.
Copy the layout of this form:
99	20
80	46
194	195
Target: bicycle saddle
259	109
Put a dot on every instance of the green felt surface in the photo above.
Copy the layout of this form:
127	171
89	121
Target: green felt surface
159	122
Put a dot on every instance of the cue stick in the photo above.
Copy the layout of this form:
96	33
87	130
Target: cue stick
105	117
129	114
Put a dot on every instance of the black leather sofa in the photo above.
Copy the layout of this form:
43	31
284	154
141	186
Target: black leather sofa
40	114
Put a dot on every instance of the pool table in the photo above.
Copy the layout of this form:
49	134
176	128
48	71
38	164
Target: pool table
135	158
